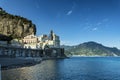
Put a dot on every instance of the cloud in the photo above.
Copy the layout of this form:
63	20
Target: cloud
94	29
87	26
95	26
72	8
69	12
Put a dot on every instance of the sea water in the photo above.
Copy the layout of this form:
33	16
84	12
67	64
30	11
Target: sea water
74	68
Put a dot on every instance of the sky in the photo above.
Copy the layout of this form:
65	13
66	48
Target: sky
75	21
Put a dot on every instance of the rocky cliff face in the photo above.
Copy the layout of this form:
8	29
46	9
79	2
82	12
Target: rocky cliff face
15	26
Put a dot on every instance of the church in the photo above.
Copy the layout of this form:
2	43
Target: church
41	42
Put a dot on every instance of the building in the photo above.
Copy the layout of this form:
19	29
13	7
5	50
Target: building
43	38
30	41
42	42
50	41
54	40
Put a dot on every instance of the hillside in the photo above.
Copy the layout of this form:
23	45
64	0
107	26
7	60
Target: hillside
91	49
15	26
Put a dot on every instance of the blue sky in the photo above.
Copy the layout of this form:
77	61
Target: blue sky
75	21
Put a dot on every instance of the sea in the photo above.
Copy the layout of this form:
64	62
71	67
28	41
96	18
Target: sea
73	68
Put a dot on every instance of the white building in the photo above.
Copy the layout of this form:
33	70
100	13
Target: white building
50	41
44	41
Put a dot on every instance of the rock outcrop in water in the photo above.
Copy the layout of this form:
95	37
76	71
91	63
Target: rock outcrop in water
15	26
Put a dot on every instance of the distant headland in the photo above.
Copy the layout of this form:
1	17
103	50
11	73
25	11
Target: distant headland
91	48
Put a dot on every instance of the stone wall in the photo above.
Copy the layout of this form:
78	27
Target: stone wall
54	52
22	52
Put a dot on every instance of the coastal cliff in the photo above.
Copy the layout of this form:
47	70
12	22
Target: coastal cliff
15	26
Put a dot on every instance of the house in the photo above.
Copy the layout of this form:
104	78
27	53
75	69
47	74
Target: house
30	41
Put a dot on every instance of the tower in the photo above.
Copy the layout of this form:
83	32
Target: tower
51	35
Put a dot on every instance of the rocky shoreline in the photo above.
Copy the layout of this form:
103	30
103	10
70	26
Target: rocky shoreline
11	63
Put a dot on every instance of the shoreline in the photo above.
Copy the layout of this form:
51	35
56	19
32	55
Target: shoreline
10	63
26	62
92	56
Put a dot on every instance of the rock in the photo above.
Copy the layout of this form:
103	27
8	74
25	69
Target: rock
15	26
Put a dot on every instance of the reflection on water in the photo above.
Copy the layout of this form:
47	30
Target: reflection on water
68	69
44	71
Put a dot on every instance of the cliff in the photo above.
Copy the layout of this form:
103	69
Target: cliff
15	26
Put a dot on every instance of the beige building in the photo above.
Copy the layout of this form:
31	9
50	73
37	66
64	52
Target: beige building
31	41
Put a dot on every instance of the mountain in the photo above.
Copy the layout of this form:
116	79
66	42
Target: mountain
15	26
91	49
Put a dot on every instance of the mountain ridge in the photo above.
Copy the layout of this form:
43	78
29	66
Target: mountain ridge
91	48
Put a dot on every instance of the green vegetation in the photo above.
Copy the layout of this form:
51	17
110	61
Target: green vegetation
91	49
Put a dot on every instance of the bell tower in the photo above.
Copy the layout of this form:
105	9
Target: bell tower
51	35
